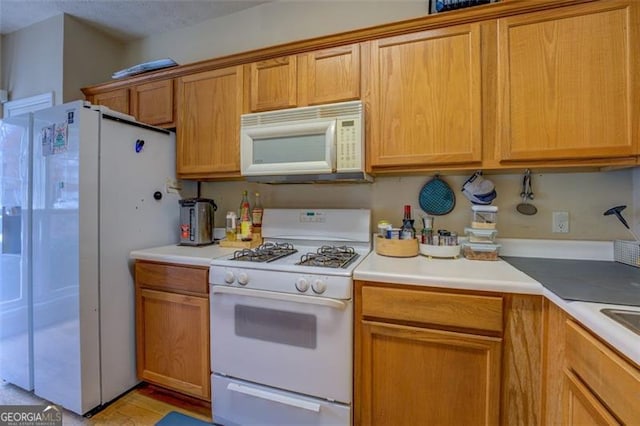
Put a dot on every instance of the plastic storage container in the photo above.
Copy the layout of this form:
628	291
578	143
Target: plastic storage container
483	236
484	217
475	251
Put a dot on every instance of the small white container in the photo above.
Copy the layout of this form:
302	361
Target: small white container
484	217
482	236
439	251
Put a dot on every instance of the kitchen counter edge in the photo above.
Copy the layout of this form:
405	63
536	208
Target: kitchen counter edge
182	255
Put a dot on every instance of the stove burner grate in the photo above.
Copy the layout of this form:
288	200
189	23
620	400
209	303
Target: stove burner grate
329	257
267	252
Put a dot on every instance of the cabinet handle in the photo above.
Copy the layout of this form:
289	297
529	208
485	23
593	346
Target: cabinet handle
270	396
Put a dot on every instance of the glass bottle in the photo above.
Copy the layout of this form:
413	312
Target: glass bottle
256	215
245	218
407	232
231	225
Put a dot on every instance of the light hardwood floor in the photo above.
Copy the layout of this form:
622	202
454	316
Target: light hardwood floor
142	406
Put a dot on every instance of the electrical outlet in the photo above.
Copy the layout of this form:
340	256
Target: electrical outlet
560	222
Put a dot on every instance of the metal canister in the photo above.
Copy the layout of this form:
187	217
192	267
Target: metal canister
393	233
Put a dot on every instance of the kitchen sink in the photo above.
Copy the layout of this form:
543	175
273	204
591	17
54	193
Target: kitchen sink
630	319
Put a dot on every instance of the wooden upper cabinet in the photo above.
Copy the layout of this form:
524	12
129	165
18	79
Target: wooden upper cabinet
152	103
425	98
329	75
117	100
318	77
568	82
208	125
273	84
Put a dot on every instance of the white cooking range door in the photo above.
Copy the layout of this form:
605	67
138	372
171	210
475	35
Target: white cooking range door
293	342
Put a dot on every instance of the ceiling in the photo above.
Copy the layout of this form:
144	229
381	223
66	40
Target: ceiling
125	20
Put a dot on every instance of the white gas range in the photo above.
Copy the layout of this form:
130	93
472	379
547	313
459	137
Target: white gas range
282	320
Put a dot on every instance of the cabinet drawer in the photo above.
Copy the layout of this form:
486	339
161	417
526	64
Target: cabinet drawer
611	378
172	277
446	309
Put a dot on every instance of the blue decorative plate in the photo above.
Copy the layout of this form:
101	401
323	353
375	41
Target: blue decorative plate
436	197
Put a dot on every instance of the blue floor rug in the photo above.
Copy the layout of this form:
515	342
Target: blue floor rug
178	419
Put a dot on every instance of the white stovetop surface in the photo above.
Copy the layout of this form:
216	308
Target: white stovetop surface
463	274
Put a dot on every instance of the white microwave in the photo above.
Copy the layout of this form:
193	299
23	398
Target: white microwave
324	141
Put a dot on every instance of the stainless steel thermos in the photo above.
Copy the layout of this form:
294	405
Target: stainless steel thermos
196	221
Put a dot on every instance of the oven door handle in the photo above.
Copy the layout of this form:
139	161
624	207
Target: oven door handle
322	301
270	396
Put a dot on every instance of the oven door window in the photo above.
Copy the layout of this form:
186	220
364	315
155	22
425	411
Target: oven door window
277	326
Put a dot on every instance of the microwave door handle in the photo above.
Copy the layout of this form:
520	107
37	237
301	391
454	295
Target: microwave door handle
270	396
322	301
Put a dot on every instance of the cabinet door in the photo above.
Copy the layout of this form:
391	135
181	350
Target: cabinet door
172	337
568	82
411	375
208	126
273	84
117	100
329	75
609	377
425	106
581	407
152	103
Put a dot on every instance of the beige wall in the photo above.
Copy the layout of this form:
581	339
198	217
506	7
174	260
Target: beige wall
60	54
32	60
270	24
90	57
584	195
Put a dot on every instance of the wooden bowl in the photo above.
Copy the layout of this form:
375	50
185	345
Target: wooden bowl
396	248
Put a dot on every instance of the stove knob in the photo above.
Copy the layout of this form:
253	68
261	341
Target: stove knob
229	278
243	278
302	285
319	286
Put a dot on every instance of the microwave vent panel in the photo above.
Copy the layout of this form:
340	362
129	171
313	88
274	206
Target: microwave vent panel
343	109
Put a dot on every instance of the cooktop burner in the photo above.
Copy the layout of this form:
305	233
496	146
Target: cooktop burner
267	252
329	257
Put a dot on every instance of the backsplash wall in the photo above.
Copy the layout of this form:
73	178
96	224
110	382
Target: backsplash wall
584	195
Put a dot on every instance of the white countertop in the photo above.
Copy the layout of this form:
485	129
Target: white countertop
460	273
498	276
451	273
184	255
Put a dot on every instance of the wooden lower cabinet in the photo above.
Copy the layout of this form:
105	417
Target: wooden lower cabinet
581	406
606	385
426	357
414	375
584	381
172	328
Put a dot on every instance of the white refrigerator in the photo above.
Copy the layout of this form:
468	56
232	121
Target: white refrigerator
80	188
